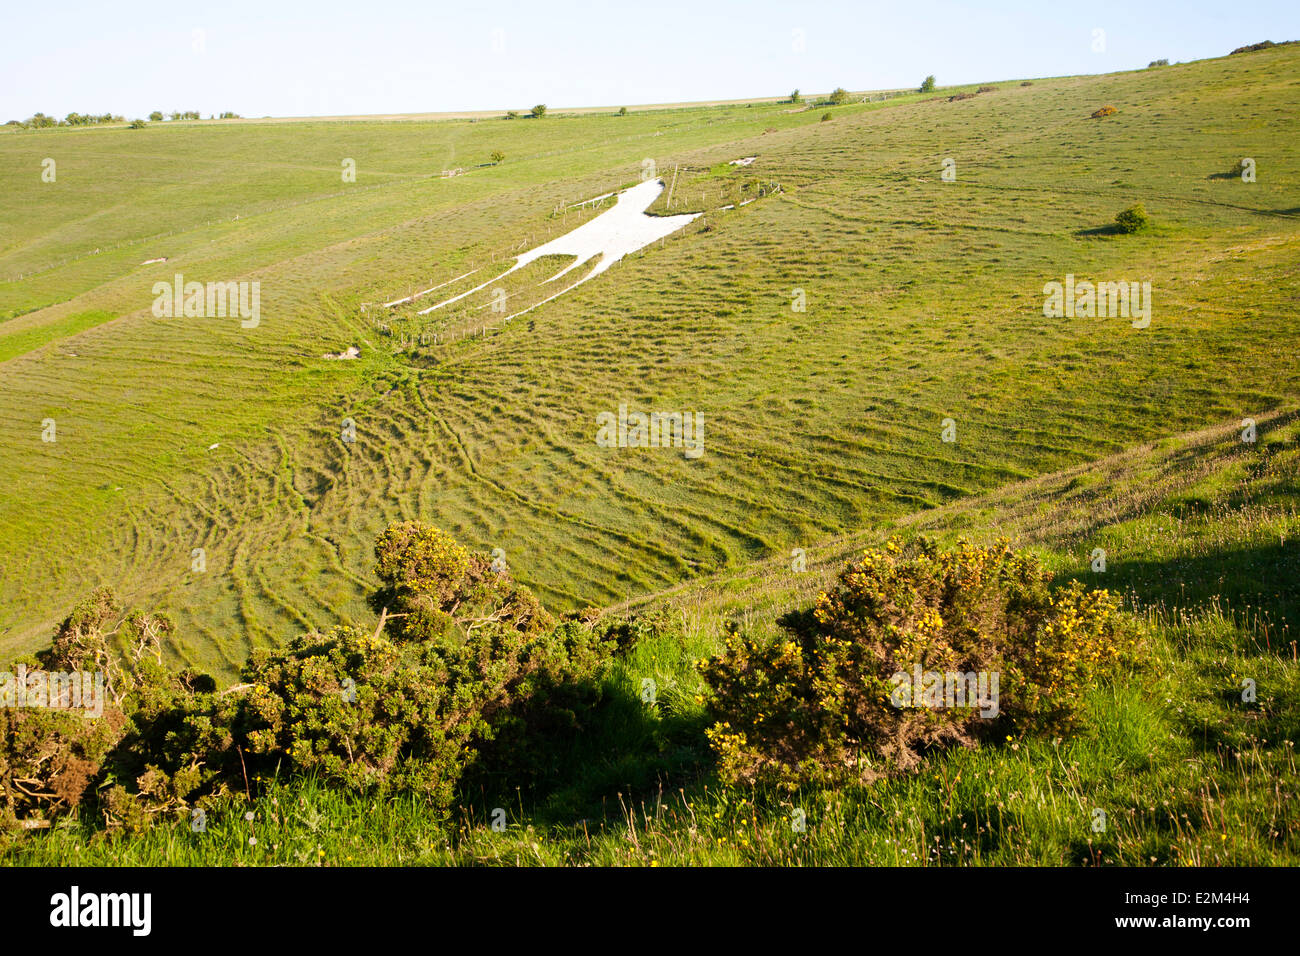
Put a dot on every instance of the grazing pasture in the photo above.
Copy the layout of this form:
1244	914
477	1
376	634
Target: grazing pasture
853	300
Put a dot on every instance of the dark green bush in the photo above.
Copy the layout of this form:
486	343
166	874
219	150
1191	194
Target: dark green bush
49	761
1133	219
471	657
52	759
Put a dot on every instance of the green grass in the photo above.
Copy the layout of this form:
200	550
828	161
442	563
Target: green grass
24	341
1184	771
924	302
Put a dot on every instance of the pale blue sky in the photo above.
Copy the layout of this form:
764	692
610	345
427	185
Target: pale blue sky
290	58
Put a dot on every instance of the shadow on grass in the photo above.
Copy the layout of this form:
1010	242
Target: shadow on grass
1254	585
613	749
1111	230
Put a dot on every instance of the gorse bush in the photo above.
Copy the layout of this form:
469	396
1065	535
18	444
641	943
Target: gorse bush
1253	47
51	758
436	588
887	666
470	656
1104	111
375	715
1133	219
465	680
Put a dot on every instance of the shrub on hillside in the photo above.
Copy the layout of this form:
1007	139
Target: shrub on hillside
839	97
538	111
825	117
836	701
1133	219
1155	63
1104	111
471	657
52	758
372	712
49	761
1242	170
928	85
436	588
411	713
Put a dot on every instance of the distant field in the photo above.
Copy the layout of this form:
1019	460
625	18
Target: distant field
923	299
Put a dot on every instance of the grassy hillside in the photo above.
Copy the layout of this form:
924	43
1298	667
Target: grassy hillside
1185	772
924	302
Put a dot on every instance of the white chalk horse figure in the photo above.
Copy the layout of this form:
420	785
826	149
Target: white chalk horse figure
608	237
